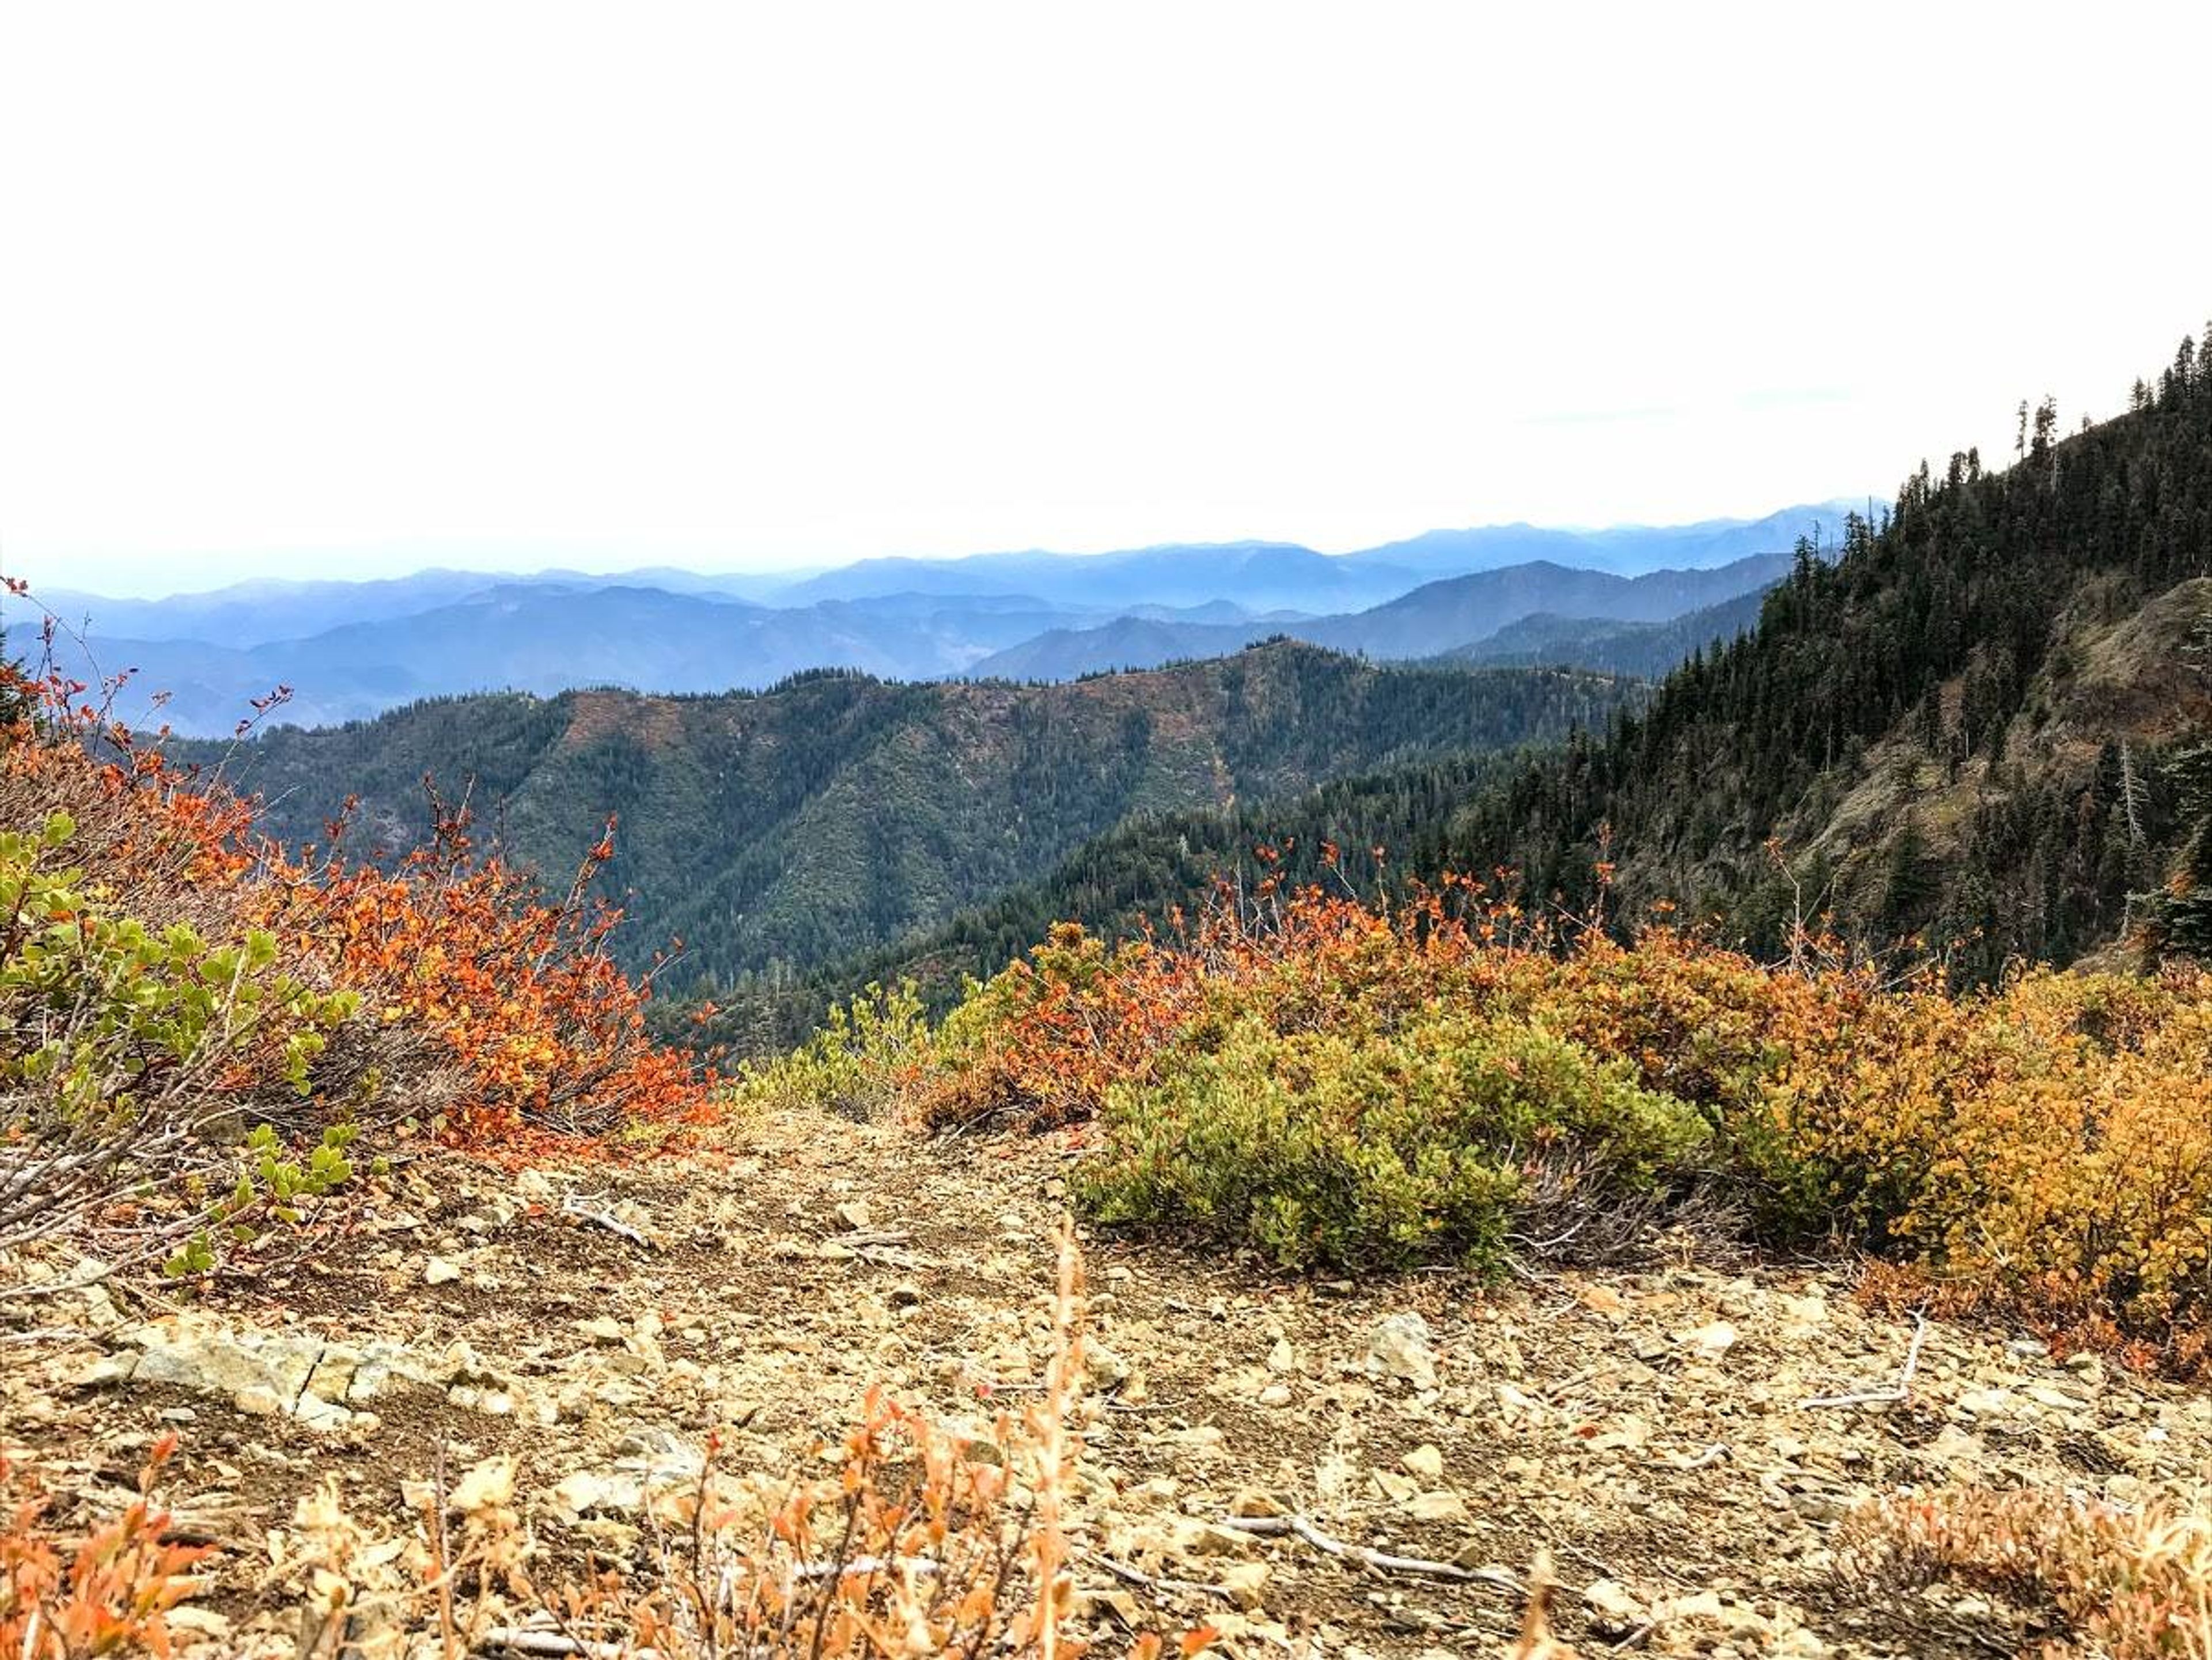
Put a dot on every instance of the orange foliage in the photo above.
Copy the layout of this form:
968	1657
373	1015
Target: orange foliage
548	1032
2045	1146
2132	1583
483	1005
111	1594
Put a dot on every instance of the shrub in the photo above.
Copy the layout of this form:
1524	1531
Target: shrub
866	1058
107	1594
171	982
2133	1584
1321	1075
1325	1147
132	1050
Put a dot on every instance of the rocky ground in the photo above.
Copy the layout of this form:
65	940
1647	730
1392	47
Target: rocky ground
1662	1432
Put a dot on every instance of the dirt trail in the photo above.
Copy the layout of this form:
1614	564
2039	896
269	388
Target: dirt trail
1649	1428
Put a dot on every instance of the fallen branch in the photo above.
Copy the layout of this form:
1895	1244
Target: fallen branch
572	1206
517	1639
1897	1391
1380	1561
1154	1582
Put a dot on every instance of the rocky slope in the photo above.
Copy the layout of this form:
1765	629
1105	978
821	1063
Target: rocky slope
1658	1429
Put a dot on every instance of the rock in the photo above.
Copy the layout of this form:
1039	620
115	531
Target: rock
1619	1608
1253	1502
1402	1348
1193	1539
2088	1368
905	1296
1275	1395
1439	1507
1426	1461
1398	1489
1990	1403
1102	1369
257	1400
198	1622
488	1486
438	1271
1702	1605
855	1216
603	1330
1713	1341
1282	1357
649	1464
1244	1581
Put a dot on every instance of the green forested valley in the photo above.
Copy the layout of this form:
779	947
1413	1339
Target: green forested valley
836	813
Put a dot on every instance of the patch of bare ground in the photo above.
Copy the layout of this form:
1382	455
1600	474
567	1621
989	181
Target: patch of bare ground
1654	1429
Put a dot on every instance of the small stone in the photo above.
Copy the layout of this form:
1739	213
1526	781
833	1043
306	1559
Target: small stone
438	1271
1253	1502
1440	1506
1275	1395
1620	1608
198	1622
1244	1581
604	1329
257	1400
1426	1461
1715	1340
1402	1348
488	1486
1103	1368
855	1216
1282	1357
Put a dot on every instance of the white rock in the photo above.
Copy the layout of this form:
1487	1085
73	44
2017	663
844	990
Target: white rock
1426	1461
1402	1348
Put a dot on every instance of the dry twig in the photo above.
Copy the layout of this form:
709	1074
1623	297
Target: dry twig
1895	1393
1381	1561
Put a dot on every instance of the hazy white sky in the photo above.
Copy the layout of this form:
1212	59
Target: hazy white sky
305	289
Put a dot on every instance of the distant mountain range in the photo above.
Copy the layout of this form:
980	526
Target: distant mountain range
837	814
1434	619
351	650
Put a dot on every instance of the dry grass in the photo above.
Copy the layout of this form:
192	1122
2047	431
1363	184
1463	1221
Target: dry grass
2129	1584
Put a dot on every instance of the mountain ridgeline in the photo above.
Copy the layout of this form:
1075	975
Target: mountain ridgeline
835	814
351	650
1979	734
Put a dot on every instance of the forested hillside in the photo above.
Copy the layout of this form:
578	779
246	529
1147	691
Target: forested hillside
836	813
1136	874
1980	732
1970	730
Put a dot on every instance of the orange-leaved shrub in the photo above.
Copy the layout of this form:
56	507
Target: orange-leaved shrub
2131	1583
107	1593
1338	1080
172	984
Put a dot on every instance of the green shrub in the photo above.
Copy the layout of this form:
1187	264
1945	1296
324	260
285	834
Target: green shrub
1376	1149
861	1061
130	1050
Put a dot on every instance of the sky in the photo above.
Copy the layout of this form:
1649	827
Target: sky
304	290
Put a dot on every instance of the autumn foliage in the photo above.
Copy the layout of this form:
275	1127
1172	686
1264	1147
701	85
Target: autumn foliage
171	981
2130	1582
109	1593
1361	1082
